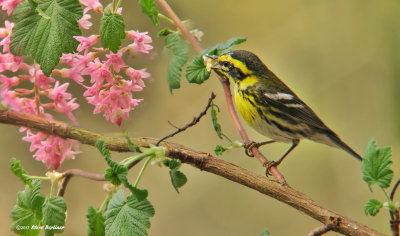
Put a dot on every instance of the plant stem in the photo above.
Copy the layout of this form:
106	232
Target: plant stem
142	171
140	156
117	6
40	177
52	189
105	202
166	18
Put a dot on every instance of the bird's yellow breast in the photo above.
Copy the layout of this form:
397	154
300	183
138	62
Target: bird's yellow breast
246	108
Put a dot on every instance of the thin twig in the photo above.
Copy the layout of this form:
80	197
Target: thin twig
394	217
394	190
320	231
194	121
202	161
228	96
68	174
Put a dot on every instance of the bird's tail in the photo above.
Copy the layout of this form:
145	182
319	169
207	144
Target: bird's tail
331	139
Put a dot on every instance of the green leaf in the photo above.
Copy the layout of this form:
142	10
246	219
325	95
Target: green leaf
264	232
112	30
129	217
19	171
178	179
179	58
372	207
139	194
164	32
131	145
148	7
196	71
28	210
174	164
165	162
216	125
376	165
222	48
117	173
95	222
219	150
46	32
54	209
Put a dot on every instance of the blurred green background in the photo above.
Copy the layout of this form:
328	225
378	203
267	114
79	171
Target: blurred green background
341	57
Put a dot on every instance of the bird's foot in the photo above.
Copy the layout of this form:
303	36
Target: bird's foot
250	145
268	165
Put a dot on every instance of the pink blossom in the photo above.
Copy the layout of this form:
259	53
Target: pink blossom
59	93
137	75
84	22
6	41
9	5
86	42
100	74
72	73
141	42
50	149
9	98
8	82
94	5
39	79
116	103
115	60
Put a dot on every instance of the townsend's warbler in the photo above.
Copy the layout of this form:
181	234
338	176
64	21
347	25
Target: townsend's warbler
268	105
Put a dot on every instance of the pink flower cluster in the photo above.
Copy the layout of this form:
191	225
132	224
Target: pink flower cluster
50	149
109	90
109	84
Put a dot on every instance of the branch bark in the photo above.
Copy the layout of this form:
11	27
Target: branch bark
202	161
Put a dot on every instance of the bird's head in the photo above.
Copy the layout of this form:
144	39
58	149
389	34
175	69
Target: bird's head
236	65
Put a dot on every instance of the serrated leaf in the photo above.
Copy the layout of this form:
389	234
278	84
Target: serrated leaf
95	222
196	71
28	210
129	217
376	165
46	32
178	179
164	32
131	145
372	207
174	164
219	150
139	194
179	58
112	30
54	209
19	171
264	232
148	7
222	48
216	125
117	172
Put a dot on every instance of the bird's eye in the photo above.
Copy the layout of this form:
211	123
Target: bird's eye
226	64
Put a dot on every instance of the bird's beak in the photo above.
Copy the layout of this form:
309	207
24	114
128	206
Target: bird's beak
211	62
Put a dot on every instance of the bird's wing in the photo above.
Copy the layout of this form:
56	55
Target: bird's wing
289	105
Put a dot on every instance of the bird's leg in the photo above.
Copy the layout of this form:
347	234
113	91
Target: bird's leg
269	164
248	146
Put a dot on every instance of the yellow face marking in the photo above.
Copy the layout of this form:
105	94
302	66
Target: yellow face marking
236	63
248	81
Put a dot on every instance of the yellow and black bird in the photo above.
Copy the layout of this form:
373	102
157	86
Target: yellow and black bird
269	106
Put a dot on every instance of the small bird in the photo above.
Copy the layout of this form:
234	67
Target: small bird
269	106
